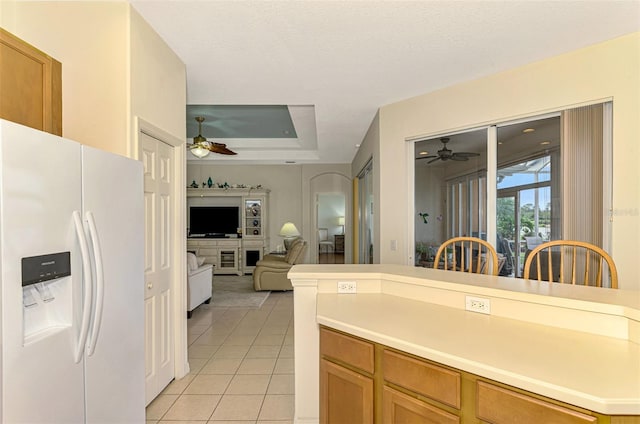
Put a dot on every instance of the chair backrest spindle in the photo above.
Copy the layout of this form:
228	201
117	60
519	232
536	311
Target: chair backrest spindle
592	262
484	253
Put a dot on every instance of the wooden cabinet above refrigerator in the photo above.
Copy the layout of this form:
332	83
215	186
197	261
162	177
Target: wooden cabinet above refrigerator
31	85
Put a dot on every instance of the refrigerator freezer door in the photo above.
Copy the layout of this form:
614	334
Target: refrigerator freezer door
113	194
39	191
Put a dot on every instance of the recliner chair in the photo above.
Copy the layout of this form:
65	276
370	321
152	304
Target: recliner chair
270	273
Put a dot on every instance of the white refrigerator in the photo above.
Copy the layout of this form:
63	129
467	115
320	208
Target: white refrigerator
71	294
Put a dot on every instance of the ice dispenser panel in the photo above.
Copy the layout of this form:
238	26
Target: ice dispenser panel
38	269
46	294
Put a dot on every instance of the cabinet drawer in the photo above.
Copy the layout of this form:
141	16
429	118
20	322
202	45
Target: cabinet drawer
397	407
424	378
228	243
203	251
251	243
498	405
350	350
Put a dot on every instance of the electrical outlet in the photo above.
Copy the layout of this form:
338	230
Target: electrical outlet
347	287
478	304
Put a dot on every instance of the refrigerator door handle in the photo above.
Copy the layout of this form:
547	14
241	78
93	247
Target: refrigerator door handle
97	313
87	286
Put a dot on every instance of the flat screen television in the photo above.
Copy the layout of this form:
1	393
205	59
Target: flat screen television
213	221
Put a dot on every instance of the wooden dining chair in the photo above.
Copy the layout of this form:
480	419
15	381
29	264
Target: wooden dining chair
469	254
569	261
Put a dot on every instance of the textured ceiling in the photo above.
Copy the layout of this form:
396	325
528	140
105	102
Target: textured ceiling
342	60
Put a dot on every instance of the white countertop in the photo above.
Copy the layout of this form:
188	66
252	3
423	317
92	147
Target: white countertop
623	302
591	371
593	362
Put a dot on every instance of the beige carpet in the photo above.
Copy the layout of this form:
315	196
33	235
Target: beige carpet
234	291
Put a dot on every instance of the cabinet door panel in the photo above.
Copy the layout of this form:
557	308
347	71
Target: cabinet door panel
399	408
422	377
345	396
31	84
348	349
498	405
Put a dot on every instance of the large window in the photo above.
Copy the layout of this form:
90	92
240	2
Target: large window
516	184
524	210
450	190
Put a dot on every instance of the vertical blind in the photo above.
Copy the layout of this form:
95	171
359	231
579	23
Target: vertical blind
582	144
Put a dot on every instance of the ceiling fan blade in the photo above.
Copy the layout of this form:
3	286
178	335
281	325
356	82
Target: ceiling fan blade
427	157
202	142
433	160
466	154
459	158
220	148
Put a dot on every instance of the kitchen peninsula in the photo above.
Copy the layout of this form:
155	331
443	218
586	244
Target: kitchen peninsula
569	351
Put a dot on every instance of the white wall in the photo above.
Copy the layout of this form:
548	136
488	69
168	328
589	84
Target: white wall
90	39
370	149
291	196
604	71
114	67
284	181
158	83
429	189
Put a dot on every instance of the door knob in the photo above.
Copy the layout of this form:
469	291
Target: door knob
149	286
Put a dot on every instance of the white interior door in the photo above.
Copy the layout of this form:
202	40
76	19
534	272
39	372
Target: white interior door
157	159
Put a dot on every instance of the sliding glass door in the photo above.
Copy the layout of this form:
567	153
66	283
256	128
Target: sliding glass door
547	176
365	215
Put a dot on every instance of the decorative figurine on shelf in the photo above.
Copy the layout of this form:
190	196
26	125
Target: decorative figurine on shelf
204	184
209	182
424	217
194	184
225	185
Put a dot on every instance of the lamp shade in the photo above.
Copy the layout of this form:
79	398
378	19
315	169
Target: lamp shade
289	230
341	220
199	151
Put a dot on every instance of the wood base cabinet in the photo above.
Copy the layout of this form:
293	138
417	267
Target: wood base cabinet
398	407
347	397
365	382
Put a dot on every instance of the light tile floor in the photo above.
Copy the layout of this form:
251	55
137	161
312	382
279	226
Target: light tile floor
241	363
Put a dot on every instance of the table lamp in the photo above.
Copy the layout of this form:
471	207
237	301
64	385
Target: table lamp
289	232
341	222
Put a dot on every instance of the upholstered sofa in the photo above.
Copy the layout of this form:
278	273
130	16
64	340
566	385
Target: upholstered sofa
270	273
199	282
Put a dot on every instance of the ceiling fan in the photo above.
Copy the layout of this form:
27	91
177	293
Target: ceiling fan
445	154
201	146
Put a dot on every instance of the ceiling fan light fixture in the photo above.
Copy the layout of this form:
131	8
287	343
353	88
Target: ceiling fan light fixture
199	151
201	147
